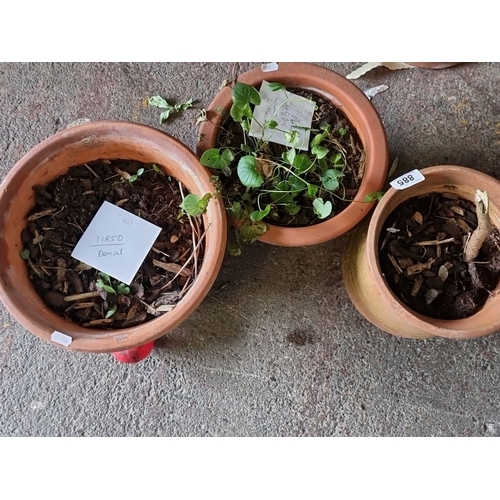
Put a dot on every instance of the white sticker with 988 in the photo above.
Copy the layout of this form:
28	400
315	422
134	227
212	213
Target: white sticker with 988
407	180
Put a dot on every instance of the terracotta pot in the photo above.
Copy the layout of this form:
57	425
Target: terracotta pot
434	65
53	157
367	287
356	106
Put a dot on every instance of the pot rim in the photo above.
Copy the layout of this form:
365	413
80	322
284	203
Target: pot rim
450	328
157	143
359	110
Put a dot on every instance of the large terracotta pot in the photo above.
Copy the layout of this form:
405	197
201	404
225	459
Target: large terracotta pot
53	157
367	287
356	106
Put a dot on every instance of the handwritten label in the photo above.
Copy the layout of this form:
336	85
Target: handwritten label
407	180
61	338
116	242
292	113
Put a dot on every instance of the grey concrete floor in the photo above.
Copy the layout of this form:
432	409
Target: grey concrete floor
230	369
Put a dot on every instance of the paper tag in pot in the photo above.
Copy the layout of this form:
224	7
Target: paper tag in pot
407	180
290	113
116	242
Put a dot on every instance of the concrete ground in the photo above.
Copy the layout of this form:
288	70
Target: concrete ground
233	368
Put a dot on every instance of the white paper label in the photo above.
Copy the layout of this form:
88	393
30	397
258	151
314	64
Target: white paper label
116	242
407	180
290	111
267	67
61	338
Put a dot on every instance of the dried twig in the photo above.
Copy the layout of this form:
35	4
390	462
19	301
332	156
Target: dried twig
483	229
189	258
86	295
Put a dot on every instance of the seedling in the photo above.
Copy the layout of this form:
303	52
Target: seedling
374	196
25	254
168	108
194	205
260	187
105	284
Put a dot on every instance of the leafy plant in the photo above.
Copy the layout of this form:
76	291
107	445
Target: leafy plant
104	282
134	177
194	205
298	187
168	108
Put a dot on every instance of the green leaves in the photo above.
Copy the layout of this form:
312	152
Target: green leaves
292	137
194	205
122	289
274	86
168	108
321	208
330	179
108	288
248	172
217	158
374	196
260	214
25	254
319	151
302	163
134	177
104	283
111	311
250	231
243	95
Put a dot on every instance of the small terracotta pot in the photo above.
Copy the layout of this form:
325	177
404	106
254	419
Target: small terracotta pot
356	106
434	65
367	287
53	157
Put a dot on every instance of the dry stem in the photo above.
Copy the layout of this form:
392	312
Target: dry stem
473	246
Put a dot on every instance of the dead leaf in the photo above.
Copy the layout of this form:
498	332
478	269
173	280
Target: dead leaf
375	90
443	273
372	65
418	268
417	217
202	117
431	295
122	174
165	308
82	267
41	214
172	268
458	210
417	285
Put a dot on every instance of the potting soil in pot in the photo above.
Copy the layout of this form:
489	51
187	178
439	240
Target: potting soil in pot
422	257
64	209
344	141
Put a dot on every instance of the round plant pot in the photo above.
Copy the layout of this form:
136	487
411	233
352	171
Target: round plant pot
365	282
354	104
53	157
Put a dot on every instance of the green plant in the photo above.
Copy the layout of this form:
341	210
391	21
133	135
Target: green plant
279	184
105	284
168	108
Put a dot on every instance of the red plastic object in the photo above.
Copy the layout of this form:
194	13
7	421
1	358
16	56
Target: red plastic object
135	354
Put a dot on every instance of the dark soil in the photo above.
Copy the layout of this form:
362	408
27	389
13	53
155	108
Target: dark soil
64	209
433	279
232	136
